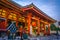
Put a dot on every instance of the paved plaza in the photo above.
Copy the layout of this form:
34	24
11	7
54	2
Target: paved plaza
51	37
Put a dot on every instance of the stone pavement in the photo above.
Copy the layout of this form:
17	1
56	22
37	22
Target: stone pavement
52	37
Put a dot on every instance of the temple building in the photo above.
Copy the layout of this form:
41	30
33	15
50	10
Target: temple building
30	18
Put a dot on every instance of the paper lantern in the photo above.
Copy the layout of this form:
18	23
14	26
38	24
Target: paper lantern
14	14
22	19
3	14
14	18
4	11
10	17
33	23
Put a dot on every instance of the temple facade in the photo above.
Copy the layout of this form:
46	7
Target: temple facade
28	18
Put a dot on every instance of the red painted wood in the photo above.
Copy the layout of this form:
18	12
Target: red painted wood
2	25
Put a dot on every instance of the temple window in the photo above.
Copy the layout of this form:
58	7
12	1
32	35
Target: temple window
2	13
41	28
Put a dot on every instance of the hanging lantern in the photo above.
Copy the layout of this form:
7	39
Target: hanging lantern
33	24
14	18
10	17
3	15
22	19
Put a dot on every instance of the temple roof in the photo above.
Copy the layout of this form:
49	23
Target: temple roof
40	12
16	6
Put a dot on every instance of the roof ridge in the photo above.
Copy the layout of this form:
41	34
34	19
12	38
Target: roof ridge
13	2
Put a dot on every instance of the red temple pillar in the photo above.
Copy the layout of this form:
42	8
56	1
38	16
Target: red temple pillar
2	25
44	29
29	22
38	26
48	28
17	20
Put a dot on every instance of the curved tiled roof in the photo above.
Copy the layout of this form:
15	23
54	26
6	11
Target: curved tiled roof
18	7
32	5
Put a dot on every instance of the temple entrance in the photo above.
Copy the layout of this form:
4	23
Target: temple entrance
22	30
46	28
21	26
33	27
41	29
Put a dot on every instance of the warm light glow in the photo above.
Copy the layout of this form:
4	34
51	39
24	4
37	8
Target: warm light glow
33	23
0	10
22	19
12	16
2	13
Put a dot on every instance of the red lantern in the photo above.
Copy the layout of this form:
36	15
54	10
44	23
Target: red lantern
33	24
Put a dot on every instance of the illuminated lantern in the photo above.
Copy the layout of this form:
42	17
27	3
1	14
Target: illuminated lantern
3	14
33	24
10	17
14	17
22	19
14	14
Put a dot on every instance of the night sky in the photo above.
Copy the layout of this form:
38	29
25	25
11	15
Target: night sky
50	7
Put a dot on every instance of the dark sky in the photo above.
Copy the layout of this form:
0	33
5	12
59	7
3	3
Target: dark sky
50	7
